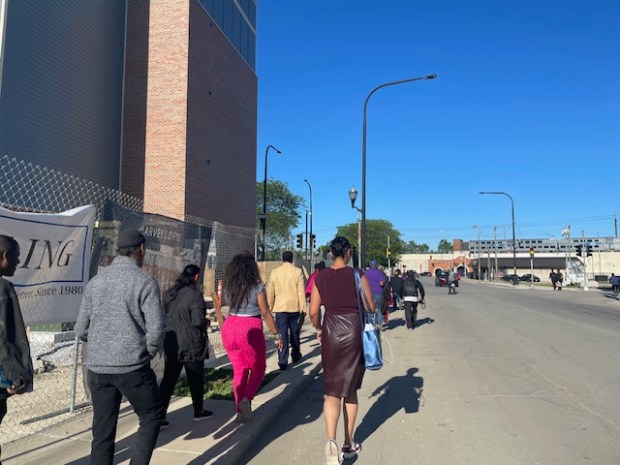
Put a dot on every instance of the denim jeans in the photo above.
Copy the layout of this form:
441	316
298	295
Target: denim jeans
378	298
140	389
288	327
397	302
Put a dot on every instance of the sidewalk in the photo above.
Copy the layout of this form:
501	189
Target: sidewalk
217	440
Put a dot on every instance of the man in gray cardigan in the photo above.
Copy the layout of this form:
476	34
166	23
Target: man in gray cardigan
122	320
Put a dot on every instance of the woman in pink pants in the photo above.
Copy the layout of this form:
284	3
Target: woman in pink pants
242	331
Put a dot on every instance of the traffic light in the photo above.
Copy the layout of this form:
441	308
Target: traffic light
300	241
312	241
532	252
388	252
588	250
579	248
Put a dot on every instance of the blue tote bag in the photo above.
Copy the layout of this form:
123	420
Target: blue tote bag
371	343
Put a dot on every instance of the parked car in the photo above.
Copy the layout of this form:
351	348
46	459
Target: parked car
510	277
426	273
528	278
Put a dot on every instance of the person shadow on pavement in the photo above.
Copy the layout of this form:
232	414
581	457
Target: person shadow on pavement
396	393
270	409
424	321
182	427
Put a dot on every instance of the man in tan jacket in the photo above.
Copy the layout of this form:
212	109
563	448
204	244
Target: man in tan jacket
286	298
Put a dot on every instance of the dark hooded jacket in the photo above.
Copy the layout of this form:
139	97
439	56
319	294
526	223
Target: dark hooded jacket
14	347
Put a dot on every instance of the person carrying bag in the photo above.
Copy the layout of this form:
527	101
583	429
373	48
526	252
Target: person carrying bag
371	342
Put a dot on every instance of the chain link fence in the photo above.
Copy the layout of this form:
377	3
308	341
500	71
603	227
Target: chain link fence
57	357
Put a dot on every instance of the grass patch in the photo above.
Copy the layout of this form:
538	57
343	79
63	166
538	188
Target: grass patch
218	384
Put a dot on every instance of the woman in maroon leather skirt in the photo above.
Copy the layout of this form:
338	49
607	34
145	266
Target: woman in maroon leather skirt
340	336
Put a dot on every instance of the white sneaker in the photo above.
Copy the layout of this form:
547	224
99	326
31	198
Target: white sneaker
332	453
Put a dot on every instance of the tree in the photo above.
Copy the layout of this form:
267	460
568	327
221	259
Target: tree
413	247
282	217
377	232
444	247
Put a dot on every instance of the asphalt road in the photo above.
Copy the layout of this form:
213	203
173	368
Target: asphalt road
502	377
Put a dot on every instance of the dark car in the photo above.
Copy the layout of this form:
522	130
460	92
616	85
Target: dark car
426	273
528	278
510	277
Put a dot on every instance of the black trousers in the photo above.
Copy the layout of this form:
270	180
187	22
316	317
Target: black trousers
195	372
140	389
2	414
411	314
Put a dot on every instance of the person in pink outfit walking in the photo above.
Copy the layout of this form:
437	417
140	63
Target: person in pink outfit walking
242	331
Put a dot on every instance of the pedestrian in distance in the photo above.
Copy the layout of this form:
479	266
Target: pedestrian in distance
413	291
287	300
122	320
317	267
185	343
341	346
452	281
377	279
15	363
388	299
559	279
396	286
554	279
615	284
242	331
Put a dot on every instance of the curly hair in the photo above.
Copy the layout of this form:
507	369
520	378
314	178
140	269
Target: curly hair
240	278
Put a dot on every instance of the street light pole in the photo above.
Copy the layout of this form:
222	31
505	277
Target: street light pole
515	280
264	218
363	211
352	197
311	240
479	277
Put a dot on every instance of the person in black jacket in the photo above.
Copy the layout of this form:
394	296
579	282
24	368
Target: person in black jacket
185	343
413	294
14	347
396	285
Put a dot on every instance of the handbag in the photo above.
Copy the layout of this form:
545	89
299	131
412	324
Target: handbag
371	344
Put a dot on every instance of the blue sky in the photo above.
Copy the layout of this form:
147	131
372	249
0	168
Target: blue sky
527	101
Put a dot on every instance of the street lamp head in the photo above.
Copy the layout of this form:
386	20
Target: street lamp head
353	196
430	76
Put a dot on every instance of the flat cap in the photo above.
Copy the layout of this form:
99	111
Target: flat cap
130	238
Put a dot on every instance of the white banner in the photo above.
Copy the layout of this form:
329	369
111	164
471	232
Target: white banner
54	261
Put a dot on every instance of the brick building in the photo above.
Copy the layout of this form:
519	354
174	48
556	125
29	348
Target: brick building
156	98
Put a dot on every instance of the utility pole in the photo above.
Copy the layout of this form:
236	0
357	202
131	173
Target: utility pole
478	260
566	233
615	225
585	259
306	250
488	263
495	247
